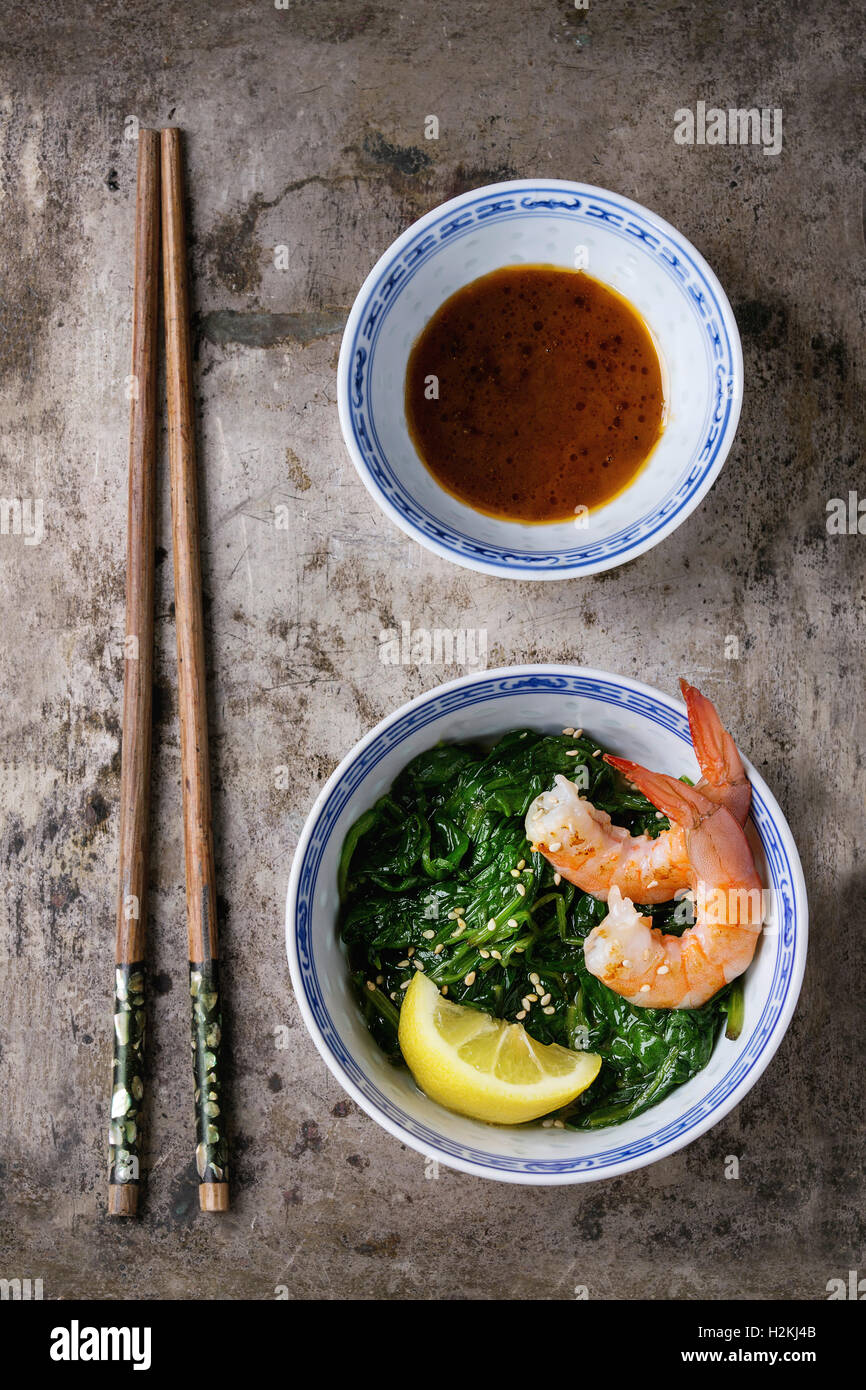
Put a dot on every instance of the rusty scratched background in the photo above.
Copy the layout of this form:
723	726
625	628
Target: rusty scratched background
305	127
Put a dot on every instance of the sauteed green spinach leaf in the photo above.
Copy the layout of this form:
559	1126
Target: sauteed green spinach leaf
439	874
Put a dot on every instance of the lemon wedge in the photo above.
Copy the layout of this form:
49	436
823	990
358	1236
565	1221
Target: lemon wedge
485	1067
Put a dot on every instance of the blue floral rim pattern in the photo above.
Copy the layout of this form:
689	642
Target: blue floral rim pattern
783	877
624	219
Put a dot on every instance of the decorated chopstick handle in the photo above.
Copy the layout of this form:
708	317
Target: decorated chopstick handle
127	1092
211	1153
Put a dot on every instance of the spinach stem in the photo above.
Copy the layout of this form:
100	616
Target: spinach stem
736	1009
383	1005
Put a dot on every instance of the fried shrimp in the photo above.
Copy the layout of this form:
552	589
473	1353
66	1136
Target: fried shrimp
661	971
583	844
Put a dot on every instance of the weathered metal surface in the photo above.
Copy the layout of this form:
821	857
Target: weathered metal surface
306	130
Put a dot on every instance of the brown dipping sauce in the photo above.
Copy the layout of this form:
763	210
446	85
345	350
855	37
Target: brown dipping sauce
550	393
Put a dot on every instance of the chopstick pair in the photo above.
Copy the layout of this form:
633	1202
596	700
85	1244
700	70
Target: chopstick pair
160	219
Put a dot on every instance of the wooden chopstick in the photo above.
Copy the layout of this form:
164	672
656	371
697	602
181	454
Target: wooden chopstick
211	1149
129	1005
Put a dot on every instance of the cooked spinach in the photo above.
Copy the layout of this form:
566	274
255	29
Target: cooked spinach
440	872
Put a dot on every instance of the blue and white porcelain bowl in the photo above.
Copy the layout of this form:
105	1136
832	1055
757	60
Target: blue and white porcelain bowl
633	720
558	223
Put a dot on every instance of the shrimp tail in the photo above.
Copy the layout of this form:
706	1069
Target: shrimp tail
717	754
684	805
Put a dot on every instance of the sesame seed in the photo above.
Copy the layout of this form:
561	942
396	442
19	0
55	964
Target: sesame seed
512	922
549	1010
491	925
418	964
626	963
393	994
573	753
522	1014
559	1124
597	753
547	1124
428	935
578	732
380	979
444	989
437	949
535	980
411	951
533	998
644	989
659	815
545	999
485	954
461	924
470	978
370	984
557	878
525	1003
568	731
453	914
653	884
401	964
515	873
663	970
454	935
521	890
497	955
554	846
521	863
405	984
518	950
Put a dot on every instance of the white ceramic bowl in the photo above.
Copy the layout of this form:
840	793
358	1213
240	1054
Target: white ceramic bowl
630	719
625	246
